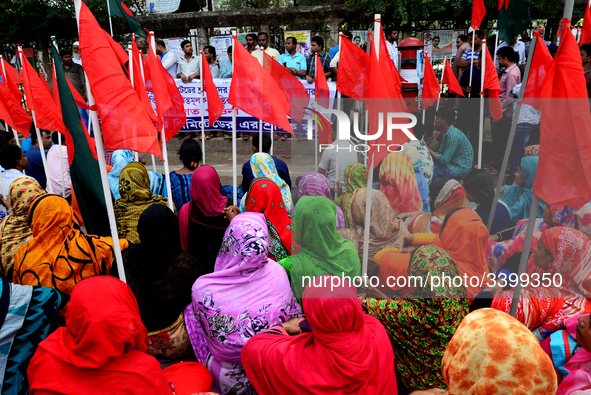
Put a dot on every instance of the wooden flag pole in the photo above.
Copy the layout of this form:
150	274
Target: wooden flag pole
261	61
481	119
441	84
48	185
163	139
110	22
100	152
202	108
234	175
130	53
271	149
472	58
337	159
514	122
8	128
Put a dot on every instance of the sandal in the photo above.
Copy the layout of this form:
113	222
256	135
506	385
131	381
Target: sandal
226	137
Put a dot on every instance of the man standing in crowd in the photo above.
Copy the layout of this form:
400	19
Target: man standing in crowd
188	65
317	47
36	169
264	46
334	60
55	167
211	57
142	45
468	55
462	45
391	38
75	74
336	49
168	58
227	65
76	53
518	46
282	169
251	42
455	155
586	58
292	60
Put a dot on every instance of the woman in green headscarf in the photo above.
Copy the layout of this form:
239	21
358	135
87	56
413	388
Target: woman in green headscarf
422	324
322	250
134	188
355	178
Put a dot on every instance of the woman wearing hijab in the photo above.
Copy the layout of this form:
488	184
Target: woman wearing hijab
102	348
426	165
399	183
28	315
264	197
246	294
262	165
59	255
202	221
14	229
316	184
180	180
355	178
445	194
518	197
417	163
122	158
322	250
493	353
385	228
422	326
346	351
564	255
160	275
134	189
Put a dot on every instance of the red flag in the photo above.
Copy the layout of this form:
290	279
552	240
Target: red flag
139	85
450	79
13	78
586	29
505	2
353	70
491	82
255	92
215	107
13	113
40	99
80	102
294	91
564	169
56	94
124	121
170	105
323	127
478	13
45	84
320	85
540	64
431	88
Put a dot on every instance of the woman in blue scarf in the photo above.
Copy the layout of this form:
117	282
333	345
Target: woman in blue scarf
122	158
518	196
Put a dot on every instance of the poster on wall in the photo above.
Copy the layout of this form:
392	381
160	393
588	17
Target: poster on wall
359	37
162	6
441	43
174	45
221	45
303	37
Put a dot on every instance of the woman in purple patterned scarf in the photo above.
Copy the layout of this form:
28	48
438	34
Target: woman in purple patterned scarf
316	184
245	295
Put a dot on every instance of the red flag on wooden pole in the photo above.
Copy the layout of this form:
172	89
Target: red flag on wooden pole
215	106
320	85
431	88
353	70
586	29
450	79
13	113
478	13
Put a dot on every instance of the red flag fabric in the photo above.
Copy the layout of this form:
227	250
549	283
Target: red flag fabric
56	94
139	84
45	84
503	2
353	70
13	113
478	13
323	127
540	64
124	121
586	29
564	169
13	78
450	79
491	82
294	91
215	106
80	102
166	95
321	86
255	92
431	88
40	99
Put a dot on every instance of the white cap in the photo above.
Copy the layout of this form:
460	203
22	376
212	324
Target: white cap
76	43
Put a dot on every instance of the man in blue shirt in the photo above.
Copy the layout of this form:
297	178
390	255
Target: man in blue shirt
33	155
455	154
292	60
227	65
282	169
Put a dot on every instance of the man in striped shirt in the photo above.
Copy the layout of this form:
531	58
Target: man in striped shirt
455	154
470	55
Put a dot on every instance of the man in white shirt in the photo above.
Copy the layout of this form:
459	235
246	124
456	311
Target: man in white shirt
76	53
55	167
391	37
168	58
328	163
263	39
518	46
188	65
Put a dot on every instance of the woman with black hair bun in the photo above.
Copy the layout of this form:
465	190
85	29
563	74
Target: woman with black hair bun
180	180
